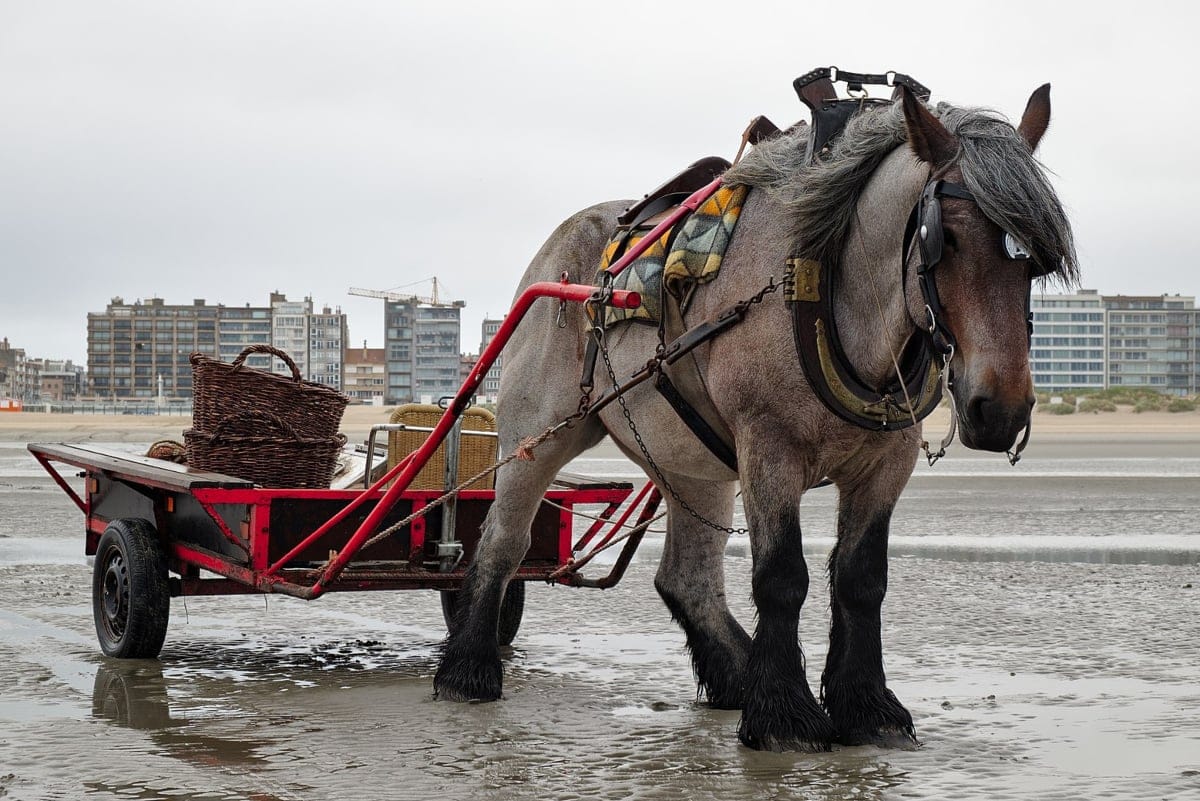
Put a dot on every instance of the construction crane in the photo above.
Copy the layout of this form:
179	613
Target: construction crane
405	297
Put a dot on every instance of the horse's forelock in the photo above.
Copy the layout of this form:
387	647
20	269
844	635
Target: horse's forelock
1009	184
1012	189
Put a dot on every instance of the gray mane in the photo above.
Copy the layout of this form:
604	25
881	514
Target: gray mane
1009	184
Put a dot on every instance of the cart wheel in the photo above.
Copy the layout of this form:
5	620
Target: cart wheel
131	599
511	610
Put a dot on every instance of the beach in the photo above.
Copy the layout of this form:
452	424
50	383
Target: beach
1041	625
357	422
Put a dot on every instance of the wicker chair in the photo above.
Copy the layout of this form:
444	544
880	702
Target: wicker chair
475	453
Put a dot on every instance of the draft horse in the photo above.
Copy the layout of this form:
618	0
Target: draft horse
973	179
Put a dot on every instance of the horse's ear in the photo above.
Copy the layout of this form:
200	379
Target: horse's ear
927	137
1036	118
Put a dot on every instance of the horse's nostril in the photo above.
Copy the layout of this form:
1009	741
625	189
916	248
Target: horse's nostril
977	408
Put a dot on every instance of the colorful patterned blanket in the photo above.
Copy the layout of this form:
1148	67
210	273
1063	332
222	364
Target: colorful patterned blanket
682	258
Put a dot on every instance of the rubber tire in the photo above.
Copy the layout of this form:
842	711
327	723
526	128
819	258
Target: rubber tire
131	599
512	609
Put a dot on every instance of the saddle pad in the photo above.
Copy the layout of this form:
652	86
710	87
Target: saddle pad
696	251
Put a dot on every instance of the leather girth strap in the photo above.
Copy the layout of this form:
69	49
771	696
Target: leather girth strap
682	385
807	291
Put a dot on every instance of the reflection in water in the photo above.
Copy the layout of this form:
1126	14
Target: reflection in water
131	693
134	694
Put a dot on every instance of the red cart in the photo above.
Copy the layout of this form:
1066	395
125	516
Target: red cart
158	529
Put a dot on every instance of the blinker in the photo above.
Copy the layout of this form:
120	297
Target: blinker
1014	249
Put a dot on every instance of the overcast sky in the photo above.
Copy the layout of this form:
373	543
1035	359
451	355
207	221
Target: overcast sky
222	150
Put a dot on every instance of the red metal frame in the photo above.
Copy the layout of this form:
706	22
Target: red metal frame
311	583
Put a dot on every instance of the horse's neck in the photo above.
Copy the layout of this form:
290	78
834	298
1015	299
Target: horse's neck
869	306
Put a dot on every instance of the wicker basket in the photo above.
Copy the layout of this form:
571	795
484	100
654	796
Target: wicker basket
260	447
220	390
475	453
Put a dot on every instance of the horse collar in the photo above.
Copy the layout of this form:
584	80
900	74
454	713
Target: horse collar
899	403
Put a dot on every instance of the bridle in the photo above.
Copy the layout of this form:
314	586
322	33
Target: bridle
925	226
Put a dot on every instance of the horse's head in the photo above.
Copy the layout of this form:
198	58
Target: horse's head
988	224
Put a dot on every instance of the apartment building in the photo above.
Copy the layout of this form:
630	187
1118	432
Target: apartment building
240	327
1092	341
1068	348
289	331
14	377
366	375
1152	342
132	346
421	341
328	335
59	380
142	349
490	387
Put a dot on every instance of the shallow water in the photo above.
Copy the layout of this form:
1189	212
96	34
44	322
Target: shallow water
1041	627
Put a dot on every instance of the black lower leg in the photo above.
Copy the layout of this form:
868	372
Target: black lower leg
780	712
470	669
853	686
719	653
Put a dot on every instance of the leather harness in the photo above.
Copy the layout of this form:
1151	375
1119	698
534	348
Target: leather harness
902	400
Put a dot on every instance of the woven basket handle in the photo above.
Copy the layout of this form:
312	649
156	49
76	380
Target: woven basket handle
264	417
276	352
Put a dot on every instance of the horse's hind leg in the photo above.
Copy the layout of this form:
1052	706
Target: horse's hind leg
470	664
691	581
780	712
853	686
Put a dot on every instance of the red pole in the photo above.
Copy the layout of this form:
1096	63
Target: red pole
578	293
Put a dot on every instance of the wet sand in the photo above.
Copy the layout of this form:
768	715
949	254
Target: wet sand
1042	625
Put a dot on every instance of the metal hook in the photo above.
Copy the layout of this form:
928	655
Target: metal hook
1014	456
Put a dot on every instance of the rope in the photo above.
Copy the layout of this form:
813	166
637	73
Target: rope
569	510
573	565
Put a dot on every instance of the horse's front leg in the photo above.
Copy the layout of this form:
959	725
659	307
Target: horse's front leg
853	686
780	712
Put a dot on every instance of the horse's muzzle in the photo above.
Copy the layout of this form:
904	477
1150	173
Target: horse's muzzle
991	424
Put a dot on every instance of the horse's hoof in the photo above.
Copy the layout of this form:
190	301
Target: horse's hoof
781	744
444	692
869	715
466	681
730	699
811	734
898	739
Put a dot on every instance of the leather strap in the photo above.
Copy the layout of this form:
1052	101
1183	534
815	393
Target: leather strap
925	225
857	80
695	421
681	383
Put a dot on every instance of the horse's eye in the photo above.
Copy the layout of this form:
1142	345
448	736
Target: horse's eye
949	239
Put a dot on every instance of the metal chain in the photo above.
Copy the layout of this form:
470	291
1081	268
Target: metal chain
740	309
650	460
